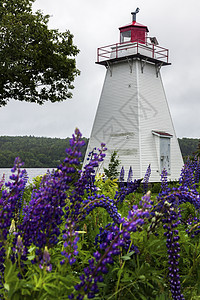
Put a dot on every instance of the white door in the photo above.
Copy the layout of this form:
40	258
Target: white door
165	154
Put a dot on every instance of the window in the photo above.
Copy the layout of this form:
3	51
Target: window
125	36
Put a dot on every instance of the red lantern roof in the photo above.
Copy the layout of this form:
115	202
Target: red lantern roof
134	24
133	32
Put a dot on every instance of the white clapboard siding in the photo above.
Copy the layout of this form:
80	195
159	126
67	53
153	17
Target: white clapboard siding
131	106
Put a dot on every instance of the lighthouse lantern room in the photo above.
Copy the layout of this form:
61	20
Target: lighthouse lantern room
133	116
133	32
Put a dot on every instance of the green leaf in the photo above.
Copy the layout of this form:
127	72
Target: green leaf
143	297
8	269
130	253
68	280
31	257
6	286
125	257
142	277
51	289
31	249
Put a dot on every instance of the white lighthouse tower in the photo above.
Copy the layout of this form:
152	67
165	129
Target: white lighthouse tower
133	116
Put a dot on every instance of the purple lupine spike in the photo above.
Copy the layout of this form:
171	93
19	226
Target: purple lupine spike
45	261
164	183
2	181
124	191
10	204
121	176
197	170
19	245
193	227
101	201
130	175
171	221
44	214
146	179
70	237
111	246
187	175
85	185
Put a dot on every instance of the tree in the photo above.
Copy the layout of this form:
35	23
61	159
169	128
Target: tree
188	146
36	64
198	150
112	172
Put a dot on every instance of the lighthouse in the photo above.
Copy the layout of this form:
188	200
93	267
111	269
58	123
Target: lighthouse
133	116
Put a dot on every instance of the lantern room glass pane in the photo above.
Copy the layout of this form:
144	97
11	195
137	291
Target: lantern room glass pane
125	36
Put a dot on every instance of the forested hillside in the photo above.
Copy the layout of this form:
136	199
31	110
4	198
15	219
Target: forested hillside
188	146
41	152
36	152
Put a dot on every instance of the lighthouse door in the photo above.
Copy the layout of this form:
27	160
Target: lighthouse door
165	154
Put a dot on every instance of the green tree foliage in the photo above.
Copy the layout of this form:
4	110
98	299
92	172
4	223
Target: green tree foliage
112	172
35	152
188	146
36	64
198	149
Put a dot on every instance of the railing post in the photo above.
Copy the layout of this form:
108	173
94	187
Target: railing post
97	54
153	53
116	51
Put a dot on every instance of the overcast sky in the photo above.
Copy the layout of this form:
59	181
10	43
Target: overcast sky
94	24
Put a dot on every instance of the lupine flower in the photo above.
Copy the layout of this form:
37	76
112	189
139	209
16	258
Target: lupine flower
109	233
130	175
10	204
170	223
43	215
70	237
42	218
187	179
85	185
124	191
2	181
193	227
164	183
19	245
146	179
196	169
101	201
12	227
111	246
121	177
45	262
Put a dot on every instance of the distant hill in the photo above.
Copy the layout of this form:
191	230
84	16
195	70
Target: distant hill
41	152
35	152
188	146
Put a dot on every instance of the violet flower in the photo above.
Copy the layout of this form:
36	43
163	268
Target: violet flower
164	183
130	176
171	221
187	179
11	204
146	179
45	261
70	237
110	247
124	191
121	177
